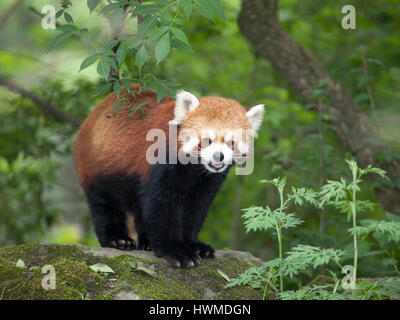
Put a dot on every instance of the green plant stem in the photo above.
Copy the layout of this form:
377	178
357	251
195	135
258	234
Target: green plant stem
354	214
279	233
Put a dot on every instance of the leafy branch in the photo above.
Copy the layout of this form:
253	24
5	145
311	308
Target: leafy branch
124	58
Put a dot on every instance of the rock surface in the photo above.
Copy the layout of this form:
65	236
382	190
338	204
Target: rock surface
134	274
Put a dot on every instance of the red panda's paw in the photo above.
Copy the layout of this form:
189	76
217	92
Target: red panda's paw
179	256
122	244
202	249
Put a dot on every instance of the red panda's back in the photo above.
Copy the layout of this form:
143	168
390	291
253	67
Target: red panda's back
118	145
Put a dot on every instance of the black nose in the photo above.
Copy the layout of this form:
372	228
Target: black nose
218	156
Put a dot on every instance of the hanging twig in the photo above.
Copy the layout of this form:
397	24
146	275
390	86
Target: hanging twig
47	107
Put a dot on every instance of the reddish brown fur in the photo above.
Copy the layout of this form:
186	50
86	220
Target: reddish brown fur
118	145
218	114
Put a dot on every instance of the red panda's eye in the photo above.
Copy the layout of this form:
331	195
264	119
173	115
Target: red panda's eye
230	143
205	142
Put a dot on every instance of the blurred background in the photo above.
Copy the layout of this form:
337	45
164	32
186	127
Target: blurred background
40	197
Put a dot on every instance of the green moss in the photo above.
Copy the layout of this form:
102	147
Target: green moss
147	279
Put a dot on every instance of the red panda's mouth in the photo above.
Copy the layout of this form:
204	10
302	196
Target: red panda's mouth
216	165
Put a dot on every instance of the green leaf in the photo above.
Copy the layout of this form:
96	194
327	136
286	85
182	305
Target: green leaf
103	89
111	44
117	88
181	45
116	106
127	84
107	52
160	92
20	264
60	40
139	266
101	267
110	61
68	17
156	34
166	19
121	54
88	62
216	6
148	24
205	9
59	13
68	28
147	9
180	35
224	275
163	48
141	56
103	69
135	44
187	8
92	4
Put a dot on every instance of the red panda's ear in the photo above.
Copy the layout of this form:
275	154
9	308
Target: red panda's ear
255	116
185	102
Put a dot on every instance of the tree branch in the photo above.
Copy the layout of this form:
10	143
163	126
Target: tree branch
47	107
258	21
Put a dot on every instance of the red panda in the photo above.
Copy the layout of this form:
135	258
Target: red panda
138	204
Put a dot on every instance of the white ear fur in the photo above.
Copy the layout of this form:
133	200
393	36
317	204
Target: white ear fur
255	116
185	102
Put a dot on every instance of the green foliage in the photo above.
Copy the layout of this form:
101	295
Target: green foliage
158	33
302	257
311	293
389	229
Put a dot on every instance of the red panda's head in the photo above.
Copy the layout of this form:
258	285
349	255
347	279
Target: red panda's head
218	131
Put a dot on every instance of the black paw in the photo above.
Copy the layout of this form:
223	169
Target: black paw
179	255
202	249
144	245
122	244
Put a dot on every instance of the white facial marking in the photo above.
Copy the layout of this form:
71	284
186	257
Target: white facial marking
229	136
243	147
209	134
211	164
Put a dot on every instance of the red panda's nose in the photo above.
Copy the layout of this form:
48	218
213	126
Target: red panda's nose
218	156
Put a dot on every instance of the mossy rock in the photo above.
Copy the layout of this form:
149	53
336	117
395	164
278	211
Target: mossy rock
137	274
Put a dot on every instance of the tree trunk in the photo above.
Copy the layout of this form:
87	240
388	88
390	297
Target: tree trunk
258	21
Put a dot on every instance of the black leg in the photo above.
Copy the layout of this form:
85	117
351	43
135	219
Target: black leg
109	220
165	234
193	219
162	217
